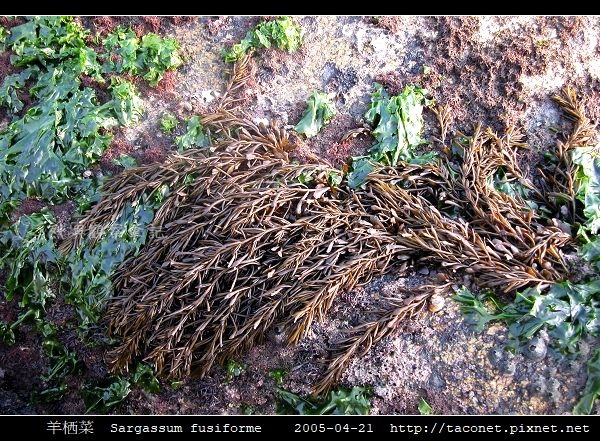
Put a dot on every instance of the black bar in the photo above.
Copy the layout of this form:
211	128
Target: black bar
510	427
